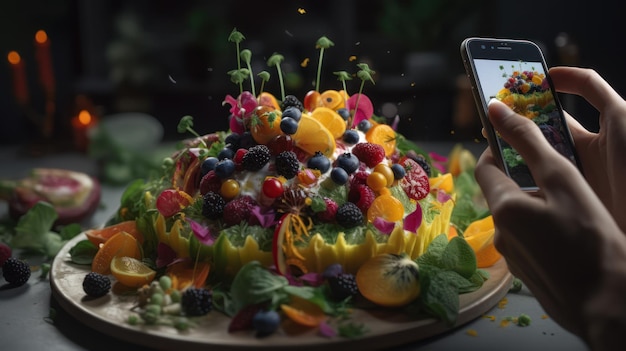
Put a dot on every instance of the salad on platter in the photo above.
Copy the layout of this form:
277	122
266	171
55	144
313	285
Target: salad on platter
304	210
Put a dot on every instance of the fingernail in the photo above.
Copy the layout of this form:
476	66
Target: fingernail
492	100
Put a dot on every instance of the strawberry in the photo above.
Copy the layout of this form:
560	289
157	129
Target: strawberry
362	196
369	153
415	183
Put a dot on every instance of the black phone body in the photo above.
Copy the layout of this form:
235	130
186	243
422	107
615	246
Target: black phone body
515	72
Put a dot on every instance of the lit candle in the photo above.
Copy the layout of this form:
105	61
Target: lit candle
81	124
20	85
44	59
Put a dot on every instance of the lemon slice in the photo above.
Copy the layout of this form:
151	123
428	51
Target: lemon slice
331	120
131	272
313	136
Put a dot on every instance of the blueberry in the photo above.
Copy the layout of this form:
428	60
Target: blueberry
364	125
288	125
332	271
344	113
292	112
348	161
225	168
226	153
232	141
208	164
266	322
319	162
398	171
246	140
339	175
351	137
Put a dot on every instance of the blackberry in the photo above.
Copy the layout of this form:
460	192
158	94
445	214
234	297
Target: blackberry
256	158
16	272
196	302
421	160
291	101
287	164
349	215
213	205
343	286
96	284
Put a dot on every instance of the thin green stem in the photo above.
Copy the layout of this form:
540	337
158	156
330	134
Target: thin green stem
319	70
239	67
280	78
251	79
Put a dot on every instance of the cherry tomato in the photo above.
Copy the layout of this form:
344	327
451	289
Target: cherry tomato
272	187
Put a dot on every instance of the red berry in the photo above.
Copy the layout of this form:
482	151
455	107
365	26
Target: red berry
172	201
280	143
210	182
5	253
329	214
273	188
238	210
362	196
369	153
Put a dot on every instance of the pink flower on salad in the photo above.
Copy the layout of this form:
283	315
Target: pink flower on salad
364	109
413	221
240	108
202	233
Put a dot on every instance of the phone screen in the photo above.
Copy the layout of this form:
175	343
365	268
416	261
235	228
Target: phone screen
515	73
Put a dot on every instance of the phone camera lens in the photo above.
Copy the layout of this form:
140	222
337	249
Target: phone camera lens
482	47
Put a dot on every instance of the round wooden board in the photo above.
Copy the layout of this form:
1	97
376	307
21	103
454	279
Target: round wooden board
386	328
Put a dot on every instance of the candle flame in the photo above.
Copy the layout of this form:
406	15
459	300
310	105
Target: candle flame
84	117
41	36
14	58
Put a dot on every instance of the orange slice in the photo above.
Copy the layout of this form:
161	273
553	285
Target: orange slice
186	274
387	207
101	235
131	272
383	135
479	235
121	244
444	182
331	120
333	99
312	136
303	312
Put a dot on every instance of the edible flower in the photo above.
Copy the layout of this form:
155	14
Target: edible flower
414	219
202	233
383	225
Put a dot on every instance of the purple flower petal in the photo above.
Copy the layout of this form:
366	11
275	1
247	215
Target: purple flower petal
313	279
442	196
383	225
327	330
364	110
202	233
438	161
266	218
165	255
413	220
396	121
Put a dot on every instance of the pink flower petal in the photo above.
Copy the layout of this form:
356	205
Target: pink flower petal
313	279
442	196
383	225
413	220
202	233
266	218
326	330
364	110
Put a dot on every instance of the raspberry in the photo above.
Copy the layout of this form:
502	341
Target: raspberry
210	182
343	286
196	302
5	253
291	101
362	196
359	177
96	284
328	215
369	153
349	216
238	210
16	272
213	205
287	164
256	158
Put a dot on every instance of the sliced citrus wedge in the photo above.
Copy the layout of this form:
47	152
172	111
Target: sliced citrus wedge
131	272
101	235
383	135
331	120
121	244
479	235
313	136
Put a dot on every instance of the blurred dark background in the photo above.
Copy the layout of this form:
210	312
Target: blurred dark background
170	59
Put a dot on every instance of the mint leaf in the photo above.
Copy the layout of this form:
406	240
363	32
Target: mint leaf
435	250
254	284
33	227
70	231
459	257
440	294
83	252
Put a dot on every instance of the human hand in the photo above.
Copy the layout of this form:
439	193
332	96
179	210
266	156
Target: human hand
601	154
563	243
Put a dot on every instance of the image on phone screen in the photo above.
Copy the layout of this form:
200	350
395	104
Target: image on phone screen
524	88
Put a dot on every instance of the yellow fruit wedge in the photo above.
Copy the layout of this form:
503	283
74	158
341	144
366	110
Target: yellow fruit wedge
479	235
312	136
331	120
383	135
120	244
131	272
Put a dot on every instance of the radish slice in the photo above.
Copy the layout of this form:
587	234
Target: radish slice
280	260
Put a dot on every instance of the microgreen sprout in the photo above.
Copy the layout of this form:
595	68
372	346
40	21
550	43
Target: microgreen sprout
265	76
365	73
186	125
343	76
275	60
246	55
236	37
322	44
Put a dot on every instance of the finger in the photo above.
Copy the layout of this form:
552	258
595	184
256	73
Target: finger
586	83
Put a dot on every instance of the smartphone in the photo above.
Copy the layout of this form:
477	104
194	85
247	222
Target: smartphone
515	72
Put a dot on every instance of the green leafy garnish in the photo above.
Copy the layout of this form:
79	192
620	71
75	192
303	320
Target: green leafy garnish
186	125
236	37
265	76
83	252
343	76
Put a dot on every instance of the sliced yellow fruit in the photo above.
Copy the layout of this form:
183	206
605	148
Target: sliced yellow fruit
383	135
312	136
389	280
331	120
131	272
444	182
479	235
